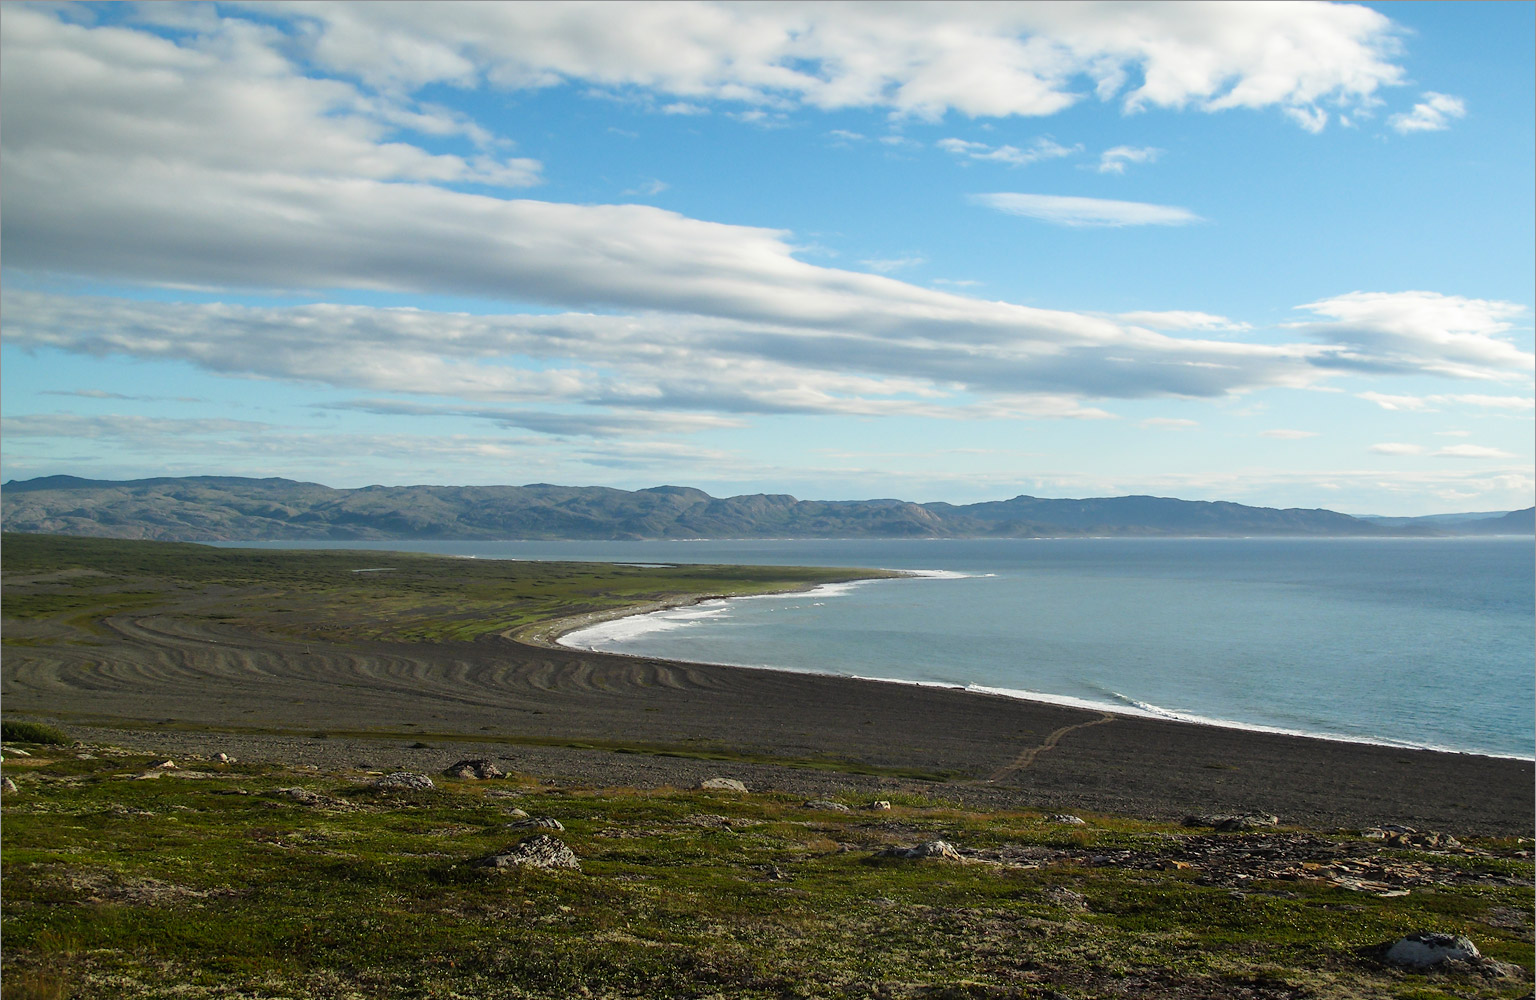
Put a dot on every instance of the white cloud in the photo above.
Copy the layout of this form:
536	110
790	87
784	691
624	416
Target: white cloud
1418	332
1281	434
77	96
915	59
1397	448
1183	319
1437	401
893	264
1433	114
1471	451
649	189
1083	212
1114	161
1043	148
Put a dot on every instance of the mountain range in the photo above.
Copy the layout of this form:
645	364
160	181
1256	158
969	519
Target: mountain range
217	508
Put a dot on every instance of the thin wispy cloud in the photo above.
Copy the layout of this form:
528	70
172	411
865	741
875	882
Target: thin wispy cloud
1041	149
1114	161
1065	210
1433	114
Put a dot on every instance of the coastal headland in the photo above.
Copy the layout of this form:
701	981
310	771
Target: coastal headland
311	660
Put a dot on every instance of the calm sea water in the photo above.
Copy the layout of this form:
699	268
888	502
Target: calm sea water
1420	642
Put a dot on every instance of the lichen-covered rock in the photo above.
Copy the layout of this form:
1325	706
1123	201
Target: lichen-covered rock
1246	821
479	768
1427	949
223	758
538	851
721	785
879	805
1066	818
938	849
405	781
828	805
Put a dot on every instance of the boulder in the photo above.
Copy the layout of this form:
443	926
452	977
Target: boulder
1066	818
223	758
406	781
940	849
879	805
827	804
7	784
537	823
1427	949
478	768
538	851
721	785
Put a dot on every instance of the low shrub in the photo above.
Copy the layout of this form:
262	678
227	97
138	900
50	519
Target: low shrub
33	732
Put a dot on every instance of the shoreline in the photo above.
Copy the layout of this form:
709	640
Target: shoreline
548	635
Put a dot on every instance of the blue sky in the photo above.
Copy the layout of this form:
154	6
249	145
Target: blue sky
1272	253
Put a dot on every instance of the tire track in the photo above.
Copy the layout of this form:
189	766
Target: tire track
1027	757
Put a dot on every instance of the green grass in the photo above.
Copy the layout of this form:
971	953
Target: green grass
17	731
60	589
119	887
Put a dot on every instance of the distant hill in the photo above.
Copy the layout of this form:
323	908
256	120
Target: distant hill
218	508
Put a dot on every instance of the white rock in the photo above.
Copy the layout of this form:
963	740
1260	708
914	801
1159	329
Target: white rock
1424	949
722	785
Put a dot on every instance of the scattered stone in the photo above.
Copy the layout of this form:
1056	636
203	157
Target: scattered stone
713	822
538	851
8	785
880	805
313	800
1428	949
1227	824
537	823
1066	818
223	758
90	756
406	781
827	804
1407	836
516	813
479	769
943	850
721	785
164	765
16	752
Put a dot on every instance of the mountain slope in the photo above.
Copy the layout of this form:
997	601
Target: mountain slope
219	508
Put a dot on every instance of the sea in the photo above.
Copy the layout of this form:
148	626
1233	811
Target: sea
1415	642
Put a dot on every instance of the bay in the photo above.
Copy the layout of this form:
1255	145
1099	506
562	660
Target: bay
1414	642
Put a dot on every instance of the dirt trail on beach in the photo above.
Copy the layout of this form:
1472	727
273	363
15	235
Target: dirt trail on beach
164	680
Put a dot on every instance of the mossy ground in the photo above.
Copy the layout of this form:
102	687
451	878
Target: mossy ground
199	884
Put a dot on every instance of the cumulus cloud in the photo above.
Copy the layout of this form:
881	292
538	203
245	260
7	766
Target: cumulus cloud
1114	161
920	59
1425	332
1043	148
1433	114
1063	210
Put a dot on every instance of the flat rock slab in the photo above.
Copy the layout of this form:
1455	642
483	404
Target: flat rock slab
406	781
939	849
721	785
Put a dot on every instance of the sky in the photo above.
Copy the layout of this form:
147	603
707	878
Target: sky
1275	253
